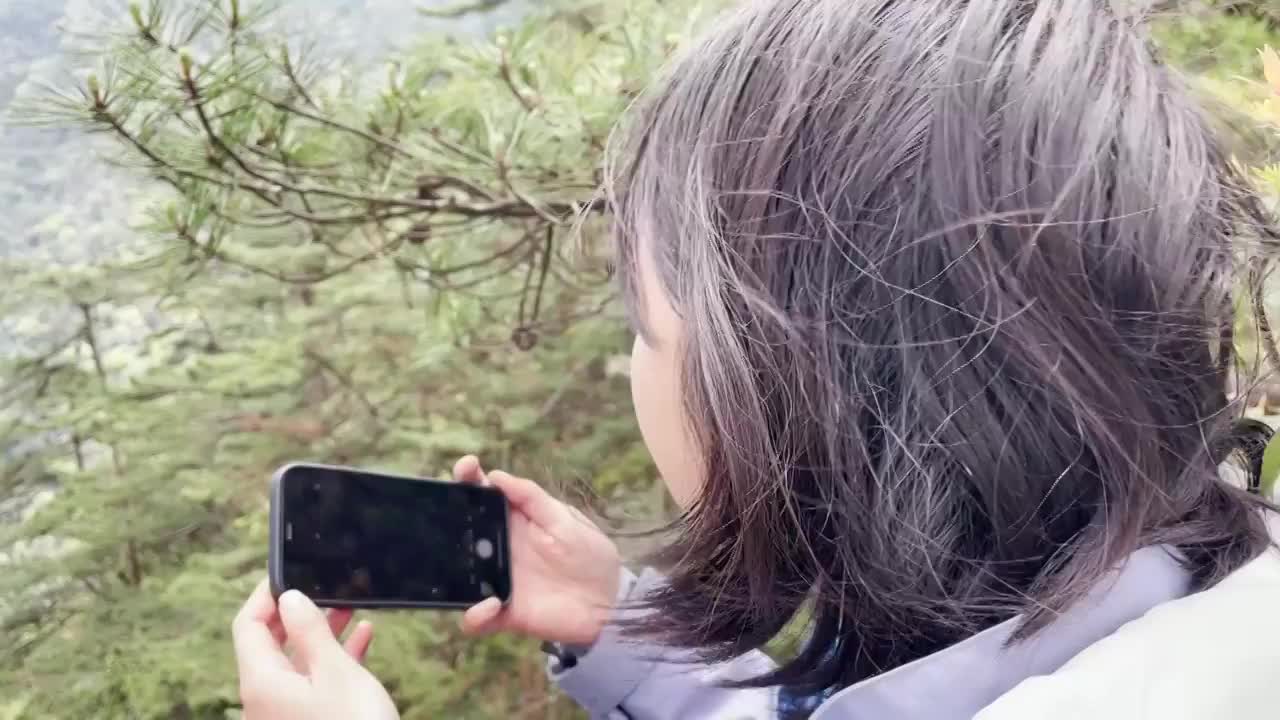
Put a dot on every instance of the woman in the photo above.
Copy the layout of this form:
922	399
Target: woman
933	303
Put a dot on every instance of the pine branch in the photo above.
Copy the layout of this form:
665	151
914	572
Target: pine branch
378	140
448	206
208	251
505	252
294	81
46	630
147	392
345	380
133	564
91	339
508	79
463	8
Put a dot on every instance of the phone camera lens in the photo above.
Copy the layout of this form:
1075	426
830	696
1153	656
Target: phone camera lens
484	548
486	589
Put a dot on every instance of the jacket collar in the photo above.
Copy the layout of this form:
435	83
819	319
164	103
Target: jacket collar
956	683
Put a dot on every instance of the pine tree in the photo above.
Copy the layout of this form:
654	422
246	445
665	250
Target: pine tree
377	274
374	273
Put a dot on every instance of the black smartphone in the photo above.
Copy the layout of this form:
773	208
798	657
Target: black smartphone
359	539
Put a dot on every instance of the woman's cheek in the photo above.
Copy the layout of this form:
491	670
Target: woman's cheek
656	395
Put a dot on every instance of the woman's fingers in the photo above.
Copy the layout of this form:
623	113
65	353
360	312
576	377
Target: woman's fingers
339	618
483	617
468	470
581	517
524	495
310	636
256	647
357	643
277	630
529	498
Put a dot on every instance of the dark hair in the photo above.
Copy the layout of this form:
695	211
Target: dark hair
957	282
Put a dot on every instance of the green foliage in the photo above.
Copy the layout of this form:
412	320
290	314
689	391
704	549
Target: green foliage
1214	44
375	271
369	271
1225	47
1270	475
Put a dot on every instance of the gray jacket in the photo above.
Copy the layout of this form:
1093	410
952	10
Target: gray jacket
1128	651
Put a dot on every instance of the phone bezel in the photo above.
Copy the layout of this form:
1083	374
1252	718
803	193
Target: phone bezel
275	553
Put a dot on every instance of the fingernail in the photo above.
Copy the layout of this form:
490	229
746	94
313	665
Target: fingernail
295	601
462	621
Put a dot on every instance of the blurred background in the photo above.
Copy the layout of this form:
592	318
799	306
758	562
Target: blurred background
238	233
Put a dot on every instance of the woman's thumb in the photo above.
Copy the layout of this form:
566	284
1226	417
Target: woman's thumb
482	618
307	629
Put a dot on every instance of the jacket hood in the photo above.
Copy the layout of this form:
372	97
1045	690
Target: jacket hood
1213	654
1139	646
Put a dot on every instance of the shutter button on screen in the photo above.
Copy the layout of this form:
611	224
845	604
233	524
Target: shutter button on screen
484	548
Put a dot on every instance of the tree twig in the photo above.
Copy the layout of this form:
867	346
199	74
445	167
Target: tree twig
345	380
504	69
463	8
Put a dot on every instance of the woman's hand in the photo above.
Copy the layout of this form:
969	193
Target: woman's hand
564	570
323	679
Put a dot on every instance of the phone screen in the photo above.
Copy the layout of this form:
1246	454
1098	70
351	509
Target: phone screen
367	539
